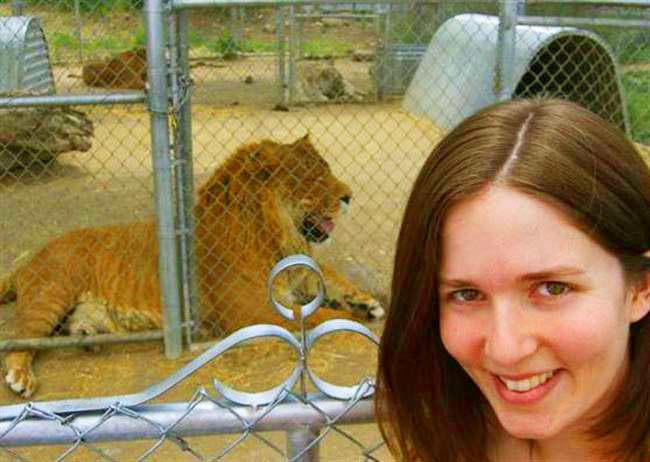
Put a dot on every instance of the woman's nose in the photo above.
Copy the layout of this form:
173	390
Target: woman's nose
511	335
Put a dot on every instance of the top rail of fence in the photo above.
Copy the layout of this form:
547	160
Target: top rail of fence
180	4
105	99
202	416
572	21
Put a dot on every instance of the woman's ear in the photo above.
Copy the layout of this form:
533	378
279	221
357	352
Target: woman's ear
640	303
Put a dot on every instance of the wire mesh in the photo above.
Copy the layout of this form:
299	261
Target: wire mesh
310	417
343	73
173	432
65	167
337	72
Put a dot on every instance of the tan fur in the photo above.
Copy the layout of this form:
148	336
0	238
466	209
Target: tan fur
248	217
127	70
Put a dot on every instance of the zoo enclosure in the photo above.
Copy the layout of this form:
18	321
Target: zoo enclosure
402	43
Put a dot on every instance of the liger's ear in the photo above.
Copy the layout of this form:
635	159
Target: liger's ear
640	303
304	140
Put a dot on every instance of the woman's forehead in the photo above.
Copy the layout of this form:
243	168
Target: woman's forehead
503	229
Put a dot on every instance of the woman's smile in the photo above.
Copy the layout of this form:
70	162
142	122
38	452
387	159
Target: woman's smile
531	389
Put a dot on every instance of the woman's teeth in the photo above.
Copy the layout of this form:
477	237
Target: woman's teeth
527	384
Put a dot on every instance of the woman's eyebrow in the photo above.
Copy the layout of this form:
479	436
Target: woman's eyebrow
456	283
550	273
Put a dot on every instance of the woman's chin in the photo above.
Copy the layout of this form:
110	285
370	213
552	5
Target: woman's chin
528	432
531	427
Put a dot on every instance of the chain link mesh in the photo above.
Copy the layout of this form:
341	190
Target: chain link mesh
170	432
347	74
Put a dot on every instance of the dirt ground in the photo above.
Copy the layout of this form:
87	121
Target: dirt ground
376	149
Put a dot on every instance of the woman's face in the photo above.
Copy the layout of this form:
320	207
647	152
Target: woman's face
536	312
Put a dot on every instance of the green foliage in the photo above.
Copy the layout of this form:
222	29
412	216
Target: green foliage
637	91
226	45
64	42
325	47
259	46
107	6
635	50
93	6
140	37
460	7
629	46
404	32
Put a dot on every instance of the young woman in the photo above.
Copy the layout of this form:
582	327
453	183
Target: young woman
518	328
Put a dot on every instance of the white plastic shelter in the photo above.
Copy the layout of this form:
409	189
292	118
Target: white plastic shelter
457	74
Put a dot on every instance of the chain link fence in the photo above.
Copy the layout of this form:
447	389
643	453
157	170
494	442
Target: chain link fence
350	98
306	406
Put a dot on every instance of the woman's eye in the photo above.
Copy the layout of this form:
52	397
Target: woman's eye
465	295
553	288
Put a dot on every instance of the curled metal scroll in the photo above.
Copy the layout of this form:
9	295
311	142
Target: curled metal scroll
361	390
95	404
272	394
328	327
301	345
290	262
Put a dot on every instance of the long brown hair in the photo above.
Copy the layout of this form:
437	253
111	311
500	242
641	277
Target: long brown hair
429	409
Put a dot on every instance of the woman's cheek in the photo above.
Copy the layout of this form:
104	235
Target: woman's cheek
577	339
462	336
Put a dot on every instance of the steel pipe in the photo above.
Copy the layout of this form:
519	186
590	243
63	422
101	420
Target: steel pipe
204	419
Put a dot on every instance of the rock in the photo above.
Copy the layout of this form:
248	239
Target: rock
363	56
281	107
319	82
333	22
40	134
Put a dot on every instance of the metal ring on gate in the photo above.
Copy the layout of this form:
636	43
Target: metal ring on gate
361	390
289	262
272	394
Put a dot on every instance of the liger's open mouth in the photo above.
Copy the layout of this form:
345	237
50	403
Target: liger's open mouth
316	228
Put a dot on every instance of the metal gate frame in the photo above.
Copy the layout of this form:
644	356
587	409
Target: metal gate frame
305	417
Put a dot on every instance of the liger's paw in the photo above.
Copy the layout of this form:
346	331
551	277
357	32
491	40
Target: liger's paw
80	327
21	381
366	307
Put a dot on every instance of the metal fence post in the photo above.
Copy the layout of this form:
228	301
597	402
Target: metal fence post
293	70
17	7
280	32
521	8
505	52
184	169
163	178
79	20
300	438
